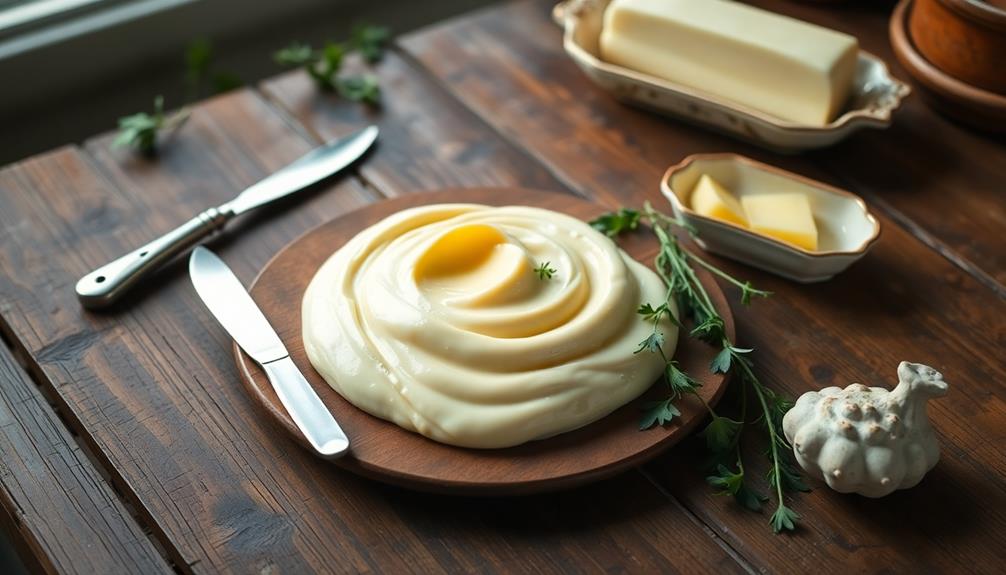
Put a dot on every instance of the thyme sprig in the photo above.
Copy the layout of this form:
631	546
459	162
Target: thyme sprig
544	271
674	265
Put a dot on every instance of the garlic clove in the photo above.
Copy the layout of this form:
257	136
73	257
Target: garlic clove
868	440
844	467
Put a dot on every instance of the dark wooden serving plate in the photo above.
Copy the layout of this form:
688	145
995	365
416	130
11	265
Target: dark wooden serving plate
386	452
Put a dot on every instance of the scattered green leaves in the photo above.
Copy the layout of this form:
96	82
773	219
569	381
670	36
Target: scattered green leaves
544	271
324	65
676	267
296	54
140	131
370	41
362	88
614	223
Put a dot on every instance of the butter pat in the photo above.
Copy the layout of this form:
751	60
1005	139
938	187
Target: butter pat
712	200
790	69
784	216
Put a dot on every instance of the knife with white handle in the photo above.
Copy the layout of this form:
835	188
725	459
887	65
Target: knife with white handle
105	285
236	311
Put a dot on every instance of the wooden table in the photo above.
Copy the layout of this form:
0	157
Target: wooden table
129	446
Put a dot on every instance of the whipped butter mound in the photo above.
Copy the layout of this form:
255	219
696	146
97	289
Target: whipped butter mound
439	319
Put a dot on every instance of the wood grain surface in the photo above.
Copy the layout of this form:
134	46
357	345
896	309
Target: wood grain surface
54	501
386	452
488	99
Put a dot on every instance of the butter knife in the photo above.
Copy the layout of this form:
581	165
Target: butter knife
103	286
236	311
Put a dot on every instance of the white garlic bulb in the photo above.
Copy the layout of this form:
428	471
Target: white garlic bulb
867	440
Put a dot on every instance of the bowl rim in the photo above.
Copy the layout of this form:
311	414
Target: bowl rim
679	204
978	12
926	73
567	11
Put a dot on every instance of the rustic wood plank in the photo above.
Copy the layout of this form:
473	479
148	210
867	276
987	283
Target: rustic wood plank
939	178
153	386
427	141
902	301
53	500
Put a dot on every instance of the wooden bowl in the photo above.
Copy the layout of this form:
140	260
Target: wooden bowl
964	38
983	109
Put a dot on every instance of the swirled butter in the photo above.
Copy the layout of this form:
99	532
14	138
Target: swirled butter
440	319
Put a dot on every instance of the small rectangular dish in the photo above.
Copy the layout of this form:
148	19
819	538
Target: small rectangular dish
846	228
875	94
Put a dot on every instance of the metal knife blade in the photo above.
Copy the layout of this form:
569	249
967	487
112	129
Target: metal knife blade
310	168
233	307
106	284
237	312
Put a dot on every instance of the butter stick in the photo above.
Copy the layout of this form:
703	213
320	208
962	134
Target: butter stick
784	67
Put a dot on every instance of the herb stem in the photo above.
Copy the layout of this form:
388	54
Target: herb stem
769	424
727	277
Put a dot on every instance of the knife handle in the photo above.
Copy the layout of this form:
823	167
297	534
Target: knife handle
103	286
313	419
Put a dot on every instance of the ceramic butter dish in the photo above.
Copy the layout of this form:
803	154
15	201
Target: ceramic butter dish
845	228
874	97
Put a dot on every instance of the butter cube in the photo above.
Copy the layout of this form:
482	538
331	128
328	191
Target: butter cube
712	200
784	67
783	216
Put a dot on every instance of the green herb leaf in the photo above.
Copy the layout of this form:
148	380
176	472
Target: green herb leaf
750	498
198	55
544	272
370	41
788	478
654	343
331	56
784	518
651	313
658	413
360	89
710	330
679	381
296	54
727	482
613	224
721	363
140	131
721	434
